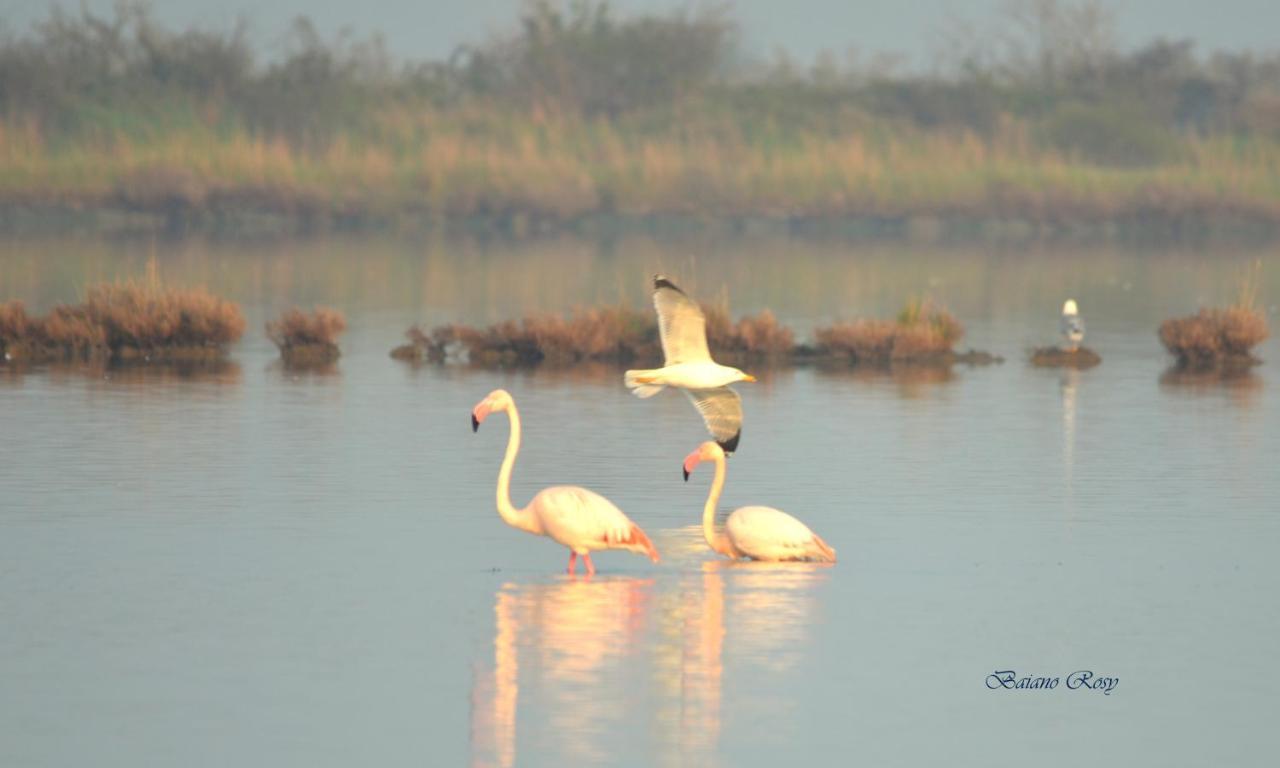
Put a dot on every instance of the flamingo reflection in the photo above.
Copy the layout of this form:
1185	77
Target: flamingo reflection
620	666
575	635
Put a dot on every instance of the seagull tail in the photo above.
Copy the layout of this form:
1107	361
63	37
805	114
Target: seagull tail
642	383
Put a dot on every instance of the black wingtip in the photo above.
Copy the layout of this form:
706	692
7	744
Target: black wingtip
475	423
730	445
686	474
660	281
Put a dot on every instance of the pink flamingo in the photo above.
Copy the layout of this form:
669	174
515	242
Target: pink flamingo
575	517
759	533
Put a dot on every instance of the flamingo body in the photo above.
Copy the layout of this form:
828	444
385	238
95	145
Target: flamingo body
584	521
757	533
579	519
765	533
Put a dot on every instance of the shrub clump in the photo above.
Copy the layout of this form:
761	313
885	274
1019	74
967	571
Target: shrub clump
307	338
752	337
922	332
421	347
1215	336
608	334
124	321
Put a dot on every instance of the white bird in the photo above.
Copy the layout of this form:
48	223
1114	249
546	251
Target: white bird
759	533
575	517
688	366
1071	325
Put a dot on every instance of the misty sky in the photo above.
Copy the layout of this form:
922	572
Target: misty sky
912	28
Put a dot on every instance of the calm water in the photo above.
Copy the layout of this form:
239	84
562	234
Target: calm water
254	567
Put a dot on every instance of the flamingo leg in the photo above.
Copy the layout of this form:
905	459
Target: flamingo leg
591	568
573	560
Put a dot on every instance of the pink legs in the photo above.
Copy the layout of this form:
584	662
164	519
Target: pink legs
586	559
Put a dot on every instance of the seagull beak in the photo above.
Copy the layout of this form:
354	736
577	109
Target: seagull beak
749	379
475	423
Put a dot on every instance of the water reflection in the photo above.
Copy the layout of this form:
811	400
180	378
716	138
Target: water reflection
286	371
159	374
581	661
910	381
1068	383
1239	384
578	632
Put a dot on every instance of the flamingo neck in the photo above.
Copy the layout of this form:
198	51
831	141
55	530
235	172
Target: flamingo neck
516	518
715	539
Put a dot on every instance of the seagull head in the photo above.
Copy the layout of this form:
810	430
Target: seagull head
1069	307
708	451
497	400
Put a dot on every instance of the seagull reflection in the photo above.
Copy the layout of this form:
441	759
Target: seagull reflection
575	635
1069	382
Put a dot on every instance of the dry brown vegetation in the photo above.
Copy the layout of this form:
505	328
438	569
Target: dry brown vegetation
420	347
307	338
602	334
124	321
922	332
1215	336
752	337
614	334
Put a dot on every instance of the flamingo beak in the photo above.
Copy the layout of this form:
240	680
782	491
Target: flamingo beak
690	462
478	415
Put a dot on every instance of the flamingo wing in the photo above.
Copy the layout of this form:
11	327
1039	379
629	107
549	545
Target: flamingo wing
765	533
721	410
680	323
583	521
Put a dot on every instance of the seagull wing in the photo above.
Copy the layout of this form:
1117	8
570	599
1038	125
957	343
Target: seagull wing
721	409
1072	325
681	324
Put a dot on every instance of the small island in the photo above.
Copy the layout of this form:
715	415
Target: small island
124	322
921	334
308	339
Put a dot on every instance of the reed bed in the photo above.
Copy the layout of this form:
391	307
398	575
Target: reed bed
501	164
124	321
307	338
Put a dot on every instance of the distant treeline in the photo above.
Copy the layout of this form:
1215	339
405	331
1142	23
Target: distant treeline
581	110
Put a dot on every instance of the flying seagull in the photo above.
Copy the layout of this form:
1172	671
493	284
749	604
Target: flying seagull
1071	325
689	366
